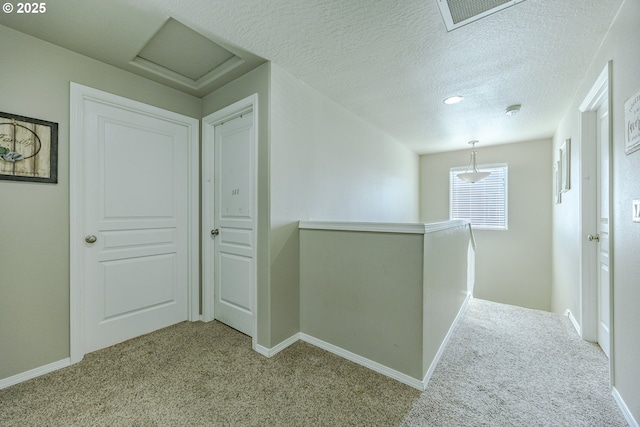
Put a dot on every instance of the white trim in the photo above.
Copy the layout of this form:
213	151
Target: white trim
573	320
270	352
624	408
158	70
76	189
34	373
78	94
382	227
375	366
209	122
594	98
445	341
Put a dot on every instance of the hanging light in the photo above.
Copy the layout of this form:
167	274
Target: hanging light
453	99
473	176
512	110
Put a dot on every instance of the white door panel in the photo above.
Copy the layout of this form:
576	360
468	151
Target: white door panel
234	150
234	216
236	272
136	199
125	294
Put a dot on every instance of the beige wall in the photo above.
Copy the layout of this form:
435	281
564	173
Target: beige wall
387	296
363	292
620	47
447	258
326	164
513	266
34	243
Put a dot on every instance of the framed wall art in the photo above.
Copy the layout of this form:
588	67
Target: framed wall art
557	191
632	124
565	166
28	149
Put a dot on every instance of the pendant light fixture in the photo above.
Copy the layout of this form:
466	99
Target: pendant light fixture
473	176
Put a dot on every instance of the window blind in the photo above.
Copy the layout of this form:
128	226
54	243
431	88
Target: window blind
483	203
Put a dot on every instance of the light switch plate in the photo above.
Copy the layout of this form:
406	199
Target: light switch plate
636	210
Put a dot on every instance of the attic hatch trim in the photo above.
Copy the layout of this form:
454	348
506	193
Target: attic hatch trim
158	70
443	5
206	62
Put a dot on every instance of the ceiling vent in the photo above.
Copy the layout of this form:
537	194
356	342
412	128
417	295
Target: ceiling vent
457	13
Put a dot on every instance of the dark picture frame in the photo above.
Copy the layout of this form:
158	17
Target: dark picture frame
28	149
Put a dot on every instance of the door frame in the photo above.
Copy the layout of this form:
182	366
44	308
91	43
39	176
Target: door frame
78	95
600	91
209	123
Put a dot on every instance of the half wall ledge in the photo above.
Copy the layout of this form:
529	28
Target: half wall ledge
388	293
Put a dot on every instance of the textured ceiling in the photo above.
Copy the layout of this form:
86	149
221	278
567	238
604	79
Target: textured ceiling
390	62
126	34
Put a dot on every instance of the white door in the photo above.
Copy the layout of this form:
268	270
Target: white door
133	215
234	220
602	215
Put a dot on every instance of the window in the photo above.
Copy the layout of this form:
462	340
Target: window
484	203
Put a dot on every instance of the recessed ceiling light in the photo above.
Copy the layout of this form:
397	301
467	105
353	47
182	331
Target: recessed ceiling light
453	99
513	109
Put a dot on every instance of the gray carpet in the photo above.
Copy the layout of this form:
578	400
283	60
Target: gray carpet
505	366
197	374
510	366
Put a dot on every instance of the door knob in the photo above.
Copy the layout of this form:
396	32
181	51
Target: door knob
591	237
90	238
215	232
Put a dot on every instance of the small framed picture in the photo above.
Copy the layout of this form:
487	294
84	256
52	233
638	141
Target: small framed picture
28	149
632	124
557	191
565	166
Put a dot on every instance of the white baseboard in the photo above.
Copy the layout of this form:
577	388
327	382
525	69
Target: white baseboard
436	358
624	408
384	370
270	352
375	366
360	360
33	373
574	321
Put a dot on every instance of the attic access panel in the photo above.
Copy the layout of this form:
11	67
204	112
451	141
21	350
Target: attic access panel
182	55
457	13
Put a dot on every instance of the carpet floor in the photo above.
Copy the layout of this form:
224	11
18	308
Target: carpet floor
504	366
511	366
